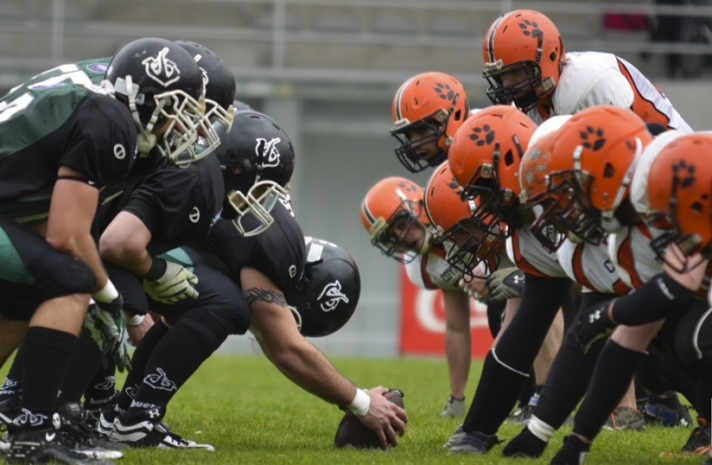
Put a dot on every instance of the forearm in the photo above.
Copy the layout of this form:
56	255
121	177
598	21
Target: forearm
308	368
124	243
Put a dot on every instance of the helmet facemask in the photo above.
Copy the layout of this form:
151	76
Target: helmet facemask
525	93
493	204
259	201
391	236
407	152
467	246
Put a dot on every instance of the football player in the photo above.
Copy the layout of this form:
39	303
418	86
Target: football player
393	214
526	64
69	141
263	254
427	111
586	195
485	158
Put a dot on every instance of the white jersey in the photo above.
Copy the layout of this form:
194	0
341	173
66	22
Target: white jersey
595	78
633	256
431	271
530	256
590	266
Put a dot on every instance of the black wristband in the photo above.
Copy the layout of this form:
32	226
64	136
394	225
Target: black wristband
158	268
659	298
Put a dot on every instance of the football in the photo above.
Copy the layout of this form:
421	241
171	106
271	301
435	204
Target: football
351	432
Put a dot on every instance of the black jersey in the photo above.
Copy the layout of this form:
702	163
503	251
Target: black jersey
179	204
46	124
278	253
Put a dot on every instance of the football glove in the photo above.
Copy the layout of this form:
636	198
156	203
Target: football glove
592	326
109	333
177	283
504	284
113	308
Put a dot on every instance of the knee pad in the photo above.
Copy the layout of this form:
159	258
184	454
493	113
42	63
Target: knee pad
212	330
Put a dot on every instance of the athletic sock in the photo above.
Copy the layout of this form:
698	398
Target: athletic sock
611	379
496	393
85	362
47	356
138	364
178	355
567	382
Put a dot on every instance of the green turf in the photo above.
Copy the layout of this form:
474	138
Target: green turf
252	414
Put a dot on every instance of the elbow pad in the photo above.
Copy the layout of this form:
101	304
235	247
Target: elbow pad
659	298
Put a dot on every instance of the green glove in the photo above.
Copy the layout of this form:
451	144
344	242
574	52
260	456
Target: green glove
176	283
109	333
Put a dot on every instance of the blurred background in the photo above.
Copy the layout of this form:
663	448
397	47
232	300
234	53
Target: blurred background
327	70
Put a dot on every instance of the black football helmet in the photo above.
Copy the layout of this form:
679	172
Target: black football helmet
329	290
257	158
163	87
219	83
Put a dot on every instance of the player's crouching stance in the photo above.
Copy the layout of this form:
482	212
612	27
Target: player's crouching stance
259	250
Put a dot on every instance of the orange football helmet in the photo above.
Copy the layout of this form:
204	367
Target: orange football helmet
484	158
451	221
427	111
392	212
680	192
588	165
528	43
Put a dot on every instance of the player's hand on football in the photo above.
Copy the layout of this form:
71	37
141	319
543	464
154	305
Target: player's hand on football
592	326
384	418
176	283
507	283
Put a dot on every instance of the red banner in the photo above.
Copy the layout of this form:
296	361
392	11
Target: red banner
423	322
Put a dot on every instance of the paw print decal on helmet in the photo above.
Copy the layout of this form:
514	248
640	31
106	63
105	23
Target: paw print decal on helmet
535	32
444	91
408	186
588	137
684	174
482	135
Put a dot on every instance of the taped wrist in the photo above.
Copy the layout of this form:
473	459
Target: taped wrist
361	403
158	269
659	298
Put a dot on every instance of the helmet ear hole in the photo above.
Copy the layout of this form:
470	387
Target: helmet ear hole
552	56
509	158
609	171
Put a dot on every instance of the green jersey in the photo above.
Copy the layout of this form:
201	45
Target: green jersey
60	118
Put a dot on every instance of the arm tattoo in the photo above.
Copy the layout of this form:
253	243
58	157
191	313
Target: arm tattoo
255	295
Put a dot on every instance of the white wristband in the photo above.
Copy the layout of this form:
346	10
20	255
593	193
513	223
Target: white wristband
107	294
135	320
361	403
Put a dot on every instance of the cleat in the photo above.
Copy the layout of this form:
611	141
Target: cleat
92	443
525	445
455	438
625	419
454	408
699	442
474	443
142	431
522	415
39	445
666	410
573	452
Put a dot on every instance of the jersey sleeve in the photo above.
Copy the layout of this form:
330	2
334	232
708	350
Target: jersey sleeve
281	254
102	145
174	205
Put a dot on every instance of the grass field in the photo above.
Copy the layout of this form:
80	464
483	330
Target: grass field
252	414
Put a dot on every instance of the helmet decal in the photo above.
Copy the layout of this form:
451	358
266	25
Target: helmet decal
444	91
161	69
535	32
589	135
333	296
683	169
481	139
267	151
